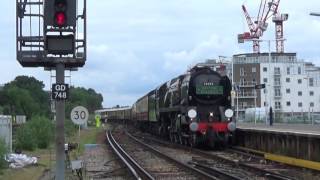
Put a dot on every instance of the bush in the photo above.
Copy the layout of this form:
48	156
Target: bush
36	133
42	128
3	151
69	128
25	138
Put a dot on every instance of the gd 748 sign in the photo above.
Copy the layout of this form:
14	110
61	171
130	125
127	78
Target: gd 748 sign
60	91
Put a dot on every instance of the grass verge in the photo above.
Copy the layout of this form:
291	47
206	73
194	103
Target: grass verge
46	157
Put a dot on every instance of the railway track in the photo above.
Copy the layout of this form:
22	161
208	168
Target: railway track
146	162
136	170
236	168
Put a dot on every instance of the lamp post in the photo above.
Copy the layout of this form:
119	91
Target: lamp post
312	14
269	85
232	84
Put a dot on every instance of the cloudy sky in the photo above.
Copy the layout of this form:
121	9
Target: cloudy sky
135	45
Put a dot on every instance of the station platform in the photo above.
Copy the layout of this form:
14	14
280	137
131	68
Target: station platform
301	141
293	129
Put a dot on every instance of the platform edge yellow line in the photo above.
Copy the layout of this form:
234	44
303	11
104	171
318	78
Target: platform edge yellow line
293	161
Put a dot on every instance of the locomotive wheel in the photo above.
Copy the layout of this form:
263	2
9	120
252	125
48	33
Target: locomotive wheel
176	138
185	141
171	137
193	140
212	139
225	142
180	139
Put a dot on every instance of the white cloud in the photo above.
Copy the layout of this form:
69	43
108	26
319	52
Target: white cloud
209	49
134	46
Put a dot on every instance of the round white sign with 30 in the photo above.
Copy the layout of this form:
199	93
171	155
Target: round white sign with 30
79	115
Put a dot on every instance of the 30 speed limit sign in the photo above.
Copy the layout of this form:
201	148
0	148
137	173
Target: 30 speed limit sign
79	115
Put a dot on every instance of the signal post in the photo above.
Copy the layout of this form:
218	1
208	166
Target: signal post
53	42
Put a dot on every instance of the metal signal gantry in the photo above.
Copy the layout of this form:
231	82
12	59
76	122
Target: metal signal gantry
50	32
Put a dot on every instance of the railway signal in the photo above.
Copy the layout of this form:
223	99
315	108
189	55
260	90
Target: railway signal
60	13
61	16
60	7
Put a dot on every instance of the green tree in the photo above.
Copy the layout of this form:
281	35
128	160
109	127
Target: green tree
84	97
20	101
25	95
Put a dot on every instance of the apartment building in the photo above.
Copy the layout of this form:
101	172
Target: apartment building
292	85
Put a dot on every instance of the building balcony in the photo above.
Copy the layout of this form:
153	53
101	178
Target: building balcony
246	95
243	108
277	74
277	84
247	84
278	95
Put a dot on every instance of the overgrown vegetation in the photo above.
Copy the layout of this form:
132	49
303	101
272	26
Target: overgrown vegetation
26	96
37	133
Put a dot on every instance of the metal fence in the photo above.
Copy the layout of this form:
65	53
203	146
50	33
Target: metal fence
300	118
6	130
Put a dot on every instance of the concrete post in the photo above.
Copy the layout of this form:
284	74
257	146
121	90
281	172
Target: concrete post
60	115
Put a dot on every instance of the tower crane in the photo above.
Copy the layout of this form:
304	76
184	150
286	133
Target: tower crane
260	25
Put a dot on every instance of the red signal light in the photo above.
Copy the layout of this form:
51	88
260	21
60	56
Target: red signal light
60	18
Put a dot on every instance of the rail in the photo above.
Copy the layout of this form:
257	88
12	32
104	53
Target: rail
260	171
197	171
136	170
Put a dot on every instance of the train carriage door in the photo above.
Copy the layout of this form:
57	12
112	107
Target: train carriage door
152	106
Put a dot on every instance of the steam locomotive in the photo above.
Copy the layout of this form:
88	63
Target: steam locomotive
193	108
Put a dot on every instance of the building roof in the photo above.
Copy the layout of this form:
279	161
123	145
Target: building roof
112	109
264	54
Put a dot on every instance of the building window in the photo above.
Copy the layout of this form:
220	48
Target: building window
311	93
288	70
299	70
300	93
288	91
300	104
288	80
277	92
288	103
242	81
241	71
254	81
265	80
265	69
299	81
254	69
265	91
310	81
277	81
276	70
312	104
277	105
264	104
